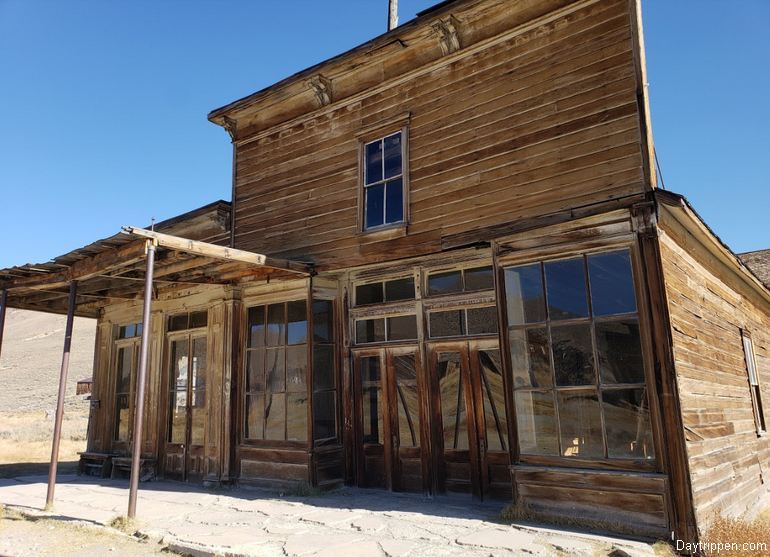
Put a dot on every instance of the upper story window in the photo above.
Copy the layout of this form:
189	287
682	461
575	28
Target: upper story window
383	196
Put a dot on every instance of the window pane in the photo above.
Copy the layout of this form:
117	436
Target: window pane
393	155
255	370
296	417
573	357
323	321
323	367
402	328
445	283
620	352
627	419
297	318
453	416
407	400
373	162
479	278
275	417
580	423
493	393
255	416
531	358
198	319
447	323
276	370
296	368
612	283
536	423
178	322
399	289
276	324
369	294
256	326
370	330
122	417
394	201
324	415
375	205
482	321
566	289
524	294
371	394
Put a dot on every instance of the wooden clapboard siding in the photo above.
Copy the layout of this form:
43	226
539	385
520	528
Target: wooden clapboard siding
709	304
545	120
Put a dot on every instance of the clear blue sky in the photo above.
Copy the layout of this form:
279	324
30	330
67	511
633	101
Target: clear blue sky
103	105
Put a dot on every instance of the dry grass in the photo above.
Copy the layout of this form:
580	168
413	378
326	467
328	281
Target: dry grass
730	535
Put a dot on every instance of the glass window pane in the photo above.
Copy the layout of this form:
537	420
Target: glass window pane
580	423
493	393
256	329
296	368
198	319
399	289
573	357
276	324
453	415
323	321
394	201
275	416
536	423
482	321
323	367
373	162
369	294
403	327
408	401
479	278
122	417
375	205
393	155
370	330
371	396
297	319
531	358
324	415
620	352
255	370
445	283
296	417
566	289
177	420
524	294
627	419
178	322
447	323
612	283
276	370
255	416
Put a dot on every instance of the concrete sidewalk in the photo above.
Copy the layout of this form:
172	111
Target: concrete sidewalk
344	523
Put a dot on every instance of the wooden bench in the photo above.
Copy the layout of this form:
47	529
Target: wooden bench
95	464
121	468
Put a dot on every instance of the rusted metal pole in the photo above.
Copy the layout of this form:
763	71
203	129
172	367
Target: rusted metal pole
392	14
65	363
3	303
141	380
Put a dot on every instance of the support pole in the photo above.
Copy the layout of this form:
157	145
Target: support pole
3	303
65	363
141	381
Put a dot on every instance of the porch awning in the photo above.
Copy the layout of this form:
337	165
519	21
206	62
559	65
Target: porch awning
113	270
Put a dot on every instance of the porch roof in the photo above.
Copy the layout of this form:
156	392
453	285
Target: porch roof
112	270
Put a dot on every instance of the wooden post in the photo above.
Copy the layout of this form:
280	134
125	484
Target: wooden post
3	303
392	14
65	362
141	382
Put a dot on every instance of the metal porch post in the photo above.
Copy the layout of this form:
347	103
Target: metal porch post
141	381
65	362
3	303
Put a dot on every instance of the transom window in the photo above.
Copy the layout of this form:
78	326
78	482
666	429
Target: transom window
384	182
578	370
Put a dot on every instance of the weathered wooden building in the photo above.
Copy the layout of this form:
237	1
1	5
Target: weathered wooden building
445	267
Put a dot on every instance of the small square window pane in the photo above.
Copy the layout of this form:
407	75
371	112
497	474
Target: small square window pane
620	352
276	370
256	326
531	358
402	328
369	294
392	155
276	324
479	278
573	357
394	202
627	419
612	283
370	330
275	416
399	289
445	283
566	289
375	205
447	323
297	326
323	367
524	294
323	321
580	424
296	368
482	321
536	423
373	162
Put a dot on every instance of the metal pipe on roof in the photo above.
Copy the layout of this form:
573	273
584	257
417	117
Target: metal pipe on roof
141	381
3	304
65	362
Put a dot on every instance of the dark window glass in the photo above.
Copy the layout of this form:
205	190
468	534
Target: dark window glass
524	294
198	319
531	357
482	321
612	283
324	416
323	321
323	367
296	416
375	205
399	289
275	416
392	155
178	322
296	368
580	424
373	162
394	201
536	423
256	330
447	323
369	294
370	330
479	278
627	419
566	289
276	370
297	322
402	328
276	324
573	358
620	352
445	283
